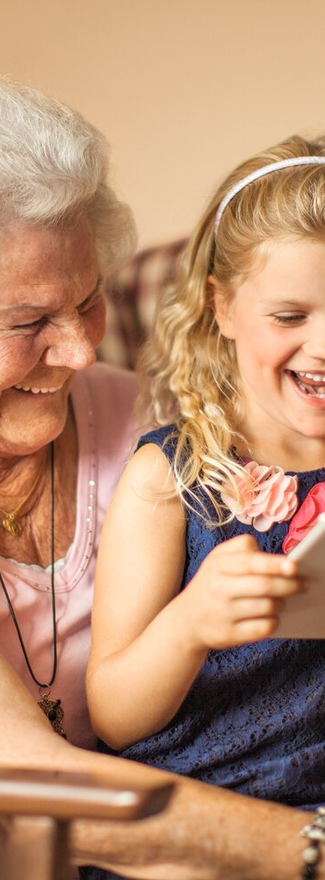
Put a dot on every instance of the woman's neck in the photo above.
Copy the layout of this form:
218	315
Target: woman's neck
18	473
33	544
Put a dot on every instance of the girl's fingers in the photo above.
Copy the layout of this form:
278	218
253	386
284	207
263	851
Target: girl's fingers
254	563
253	609
255	630
259	586
240	544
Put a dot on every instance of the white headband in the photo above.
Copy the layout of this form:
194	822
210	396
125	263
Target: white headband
267	169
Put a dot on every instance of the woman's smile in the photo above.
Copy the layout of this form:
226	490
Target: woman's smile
36	390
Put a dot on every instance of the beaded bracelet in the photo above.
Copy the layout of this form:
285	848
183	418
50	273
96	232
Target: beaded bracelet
316	836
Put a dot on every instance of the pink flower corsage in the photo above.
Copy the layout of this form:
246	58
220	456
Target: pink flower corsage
306	517
268	496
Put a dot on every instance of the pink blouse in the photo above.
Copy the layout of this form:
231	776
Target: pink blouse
103	399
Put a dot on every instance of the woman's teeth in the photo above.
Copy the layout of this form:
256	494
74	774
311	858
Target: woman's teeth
315	386
37	390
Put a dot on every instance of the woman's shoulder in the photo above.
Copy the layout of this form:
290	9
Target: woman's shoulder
109	379
111	393
103	400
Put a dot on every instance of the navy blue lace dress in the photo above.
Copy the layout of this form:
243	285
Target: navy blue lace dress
254	719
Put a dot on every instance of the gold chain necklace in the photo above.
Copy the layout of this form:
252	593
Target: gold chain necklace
10	524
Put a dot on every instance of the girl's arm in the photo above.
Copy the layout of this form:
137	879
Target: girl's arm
141	663
149	641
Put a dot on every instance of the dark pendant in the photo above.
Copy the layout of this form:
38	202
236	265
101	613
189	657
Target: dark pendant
10	525
54	712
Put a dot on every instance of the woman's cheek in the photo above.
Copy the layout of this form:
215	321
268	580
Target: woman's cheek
17	359
95	322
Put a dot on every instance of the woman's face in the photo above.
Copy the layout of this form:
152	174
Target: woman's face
52	317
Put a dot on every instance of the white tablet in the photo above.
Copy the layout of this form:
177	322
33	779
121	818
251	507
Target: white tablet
304	614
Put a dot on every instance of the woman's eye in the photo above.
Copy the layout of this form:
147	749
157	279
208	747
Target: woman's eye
288	319
83	309
34	325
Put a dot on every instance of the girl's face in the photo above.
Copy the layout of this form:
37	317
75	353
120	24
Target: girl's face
277	319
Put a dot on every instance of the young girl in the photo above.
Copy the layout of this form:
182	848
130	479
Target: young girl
194	680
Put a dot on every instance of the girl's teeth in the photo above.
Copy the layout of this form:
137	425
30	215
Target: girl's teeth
317	377
310	390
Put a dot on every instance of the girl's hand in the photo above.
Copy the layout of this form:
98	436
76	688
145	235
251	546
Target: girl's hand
237	594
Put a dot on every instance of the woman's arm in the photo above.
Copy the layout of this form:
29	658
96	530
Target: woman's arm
204	834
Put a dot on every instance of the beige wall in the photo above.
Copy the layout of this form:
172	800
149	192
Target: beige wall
183	89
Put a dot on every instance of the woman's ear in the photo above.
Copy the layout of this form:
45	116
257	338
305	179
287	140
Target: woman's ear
223	306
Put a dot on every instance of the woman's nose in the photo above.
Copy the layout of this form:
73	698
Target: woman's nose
70	346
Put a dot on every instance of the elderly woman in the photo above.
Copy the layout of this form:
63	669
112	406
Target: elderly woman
66	427
66	423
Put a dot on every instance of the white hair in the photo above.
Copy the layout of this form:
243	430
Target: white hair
53	168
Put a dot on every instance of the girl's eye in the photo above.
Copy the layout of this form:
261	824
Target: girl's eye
288	319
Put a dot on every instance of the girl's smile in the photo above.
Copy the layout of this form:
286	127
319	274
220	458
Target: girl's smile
276	318
310	385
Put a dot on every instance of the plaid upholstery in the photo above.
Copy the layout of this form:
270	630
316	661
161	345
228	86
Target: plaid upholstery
131	303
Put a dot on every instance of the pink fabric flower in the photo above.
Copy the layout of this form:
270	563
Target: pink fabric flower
306	517
268	496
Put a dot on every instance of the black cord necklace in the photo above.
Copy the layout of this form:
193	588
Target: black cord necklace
51	708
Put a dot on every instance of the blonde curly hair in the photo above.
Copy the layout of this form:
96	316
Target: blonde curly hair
188	371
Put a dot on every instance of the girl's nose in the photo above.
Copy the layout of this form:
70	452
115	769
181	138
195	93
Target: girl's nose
314	347
70	346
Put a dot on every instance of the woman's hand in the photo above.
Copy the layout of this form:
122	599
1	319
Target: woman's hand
237	594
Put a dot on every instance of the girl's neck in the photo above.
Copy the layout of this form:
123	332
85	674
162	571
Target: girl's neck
306	455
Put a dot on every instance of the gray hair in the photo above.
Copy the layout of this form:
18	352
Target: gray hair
53	168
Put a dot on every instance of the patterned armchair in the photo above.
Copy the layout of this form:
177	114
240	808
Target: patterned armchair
131	303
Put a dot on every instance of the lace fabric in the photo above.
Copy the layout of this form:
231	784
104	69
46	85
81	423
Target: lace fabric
254	719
